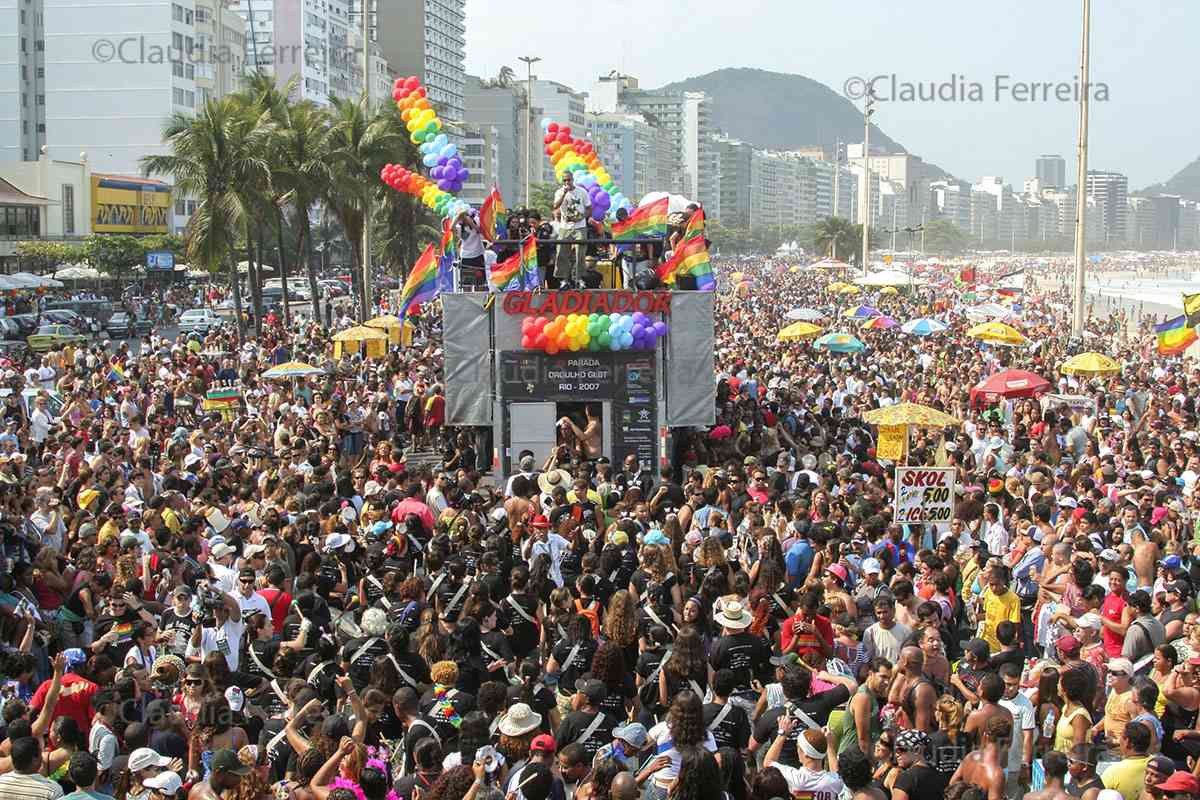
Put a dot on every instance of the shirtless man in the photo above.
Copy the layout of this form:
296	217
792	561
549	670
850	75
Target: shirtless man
225	776
914	693
985	767
1056	774
589	436
991	689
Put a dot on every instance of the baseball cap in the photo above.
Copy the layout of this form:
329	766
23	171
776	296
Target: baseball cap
1180	781
1090	620
1067	644
236	699
655	537
1172	562
74	656
871	566
166	782
144	758
1123	665
227	761
221	550
542	744
594	690
1108	554
634	733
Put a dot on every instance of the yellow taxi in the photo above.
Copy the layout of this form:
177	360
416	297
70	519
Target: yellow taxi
53	337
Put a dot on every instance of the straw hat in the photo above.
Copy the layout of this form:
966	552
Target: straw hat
519	720
733	616
553	479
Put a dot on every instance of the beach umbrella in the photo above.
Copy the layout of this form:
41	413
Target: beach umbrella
805	314
353	339
291	369
862	312
850	289
879	324
799	331
990	311
997	333
795	268
830	263
1009	384
910	414
736	276
836	286
889	290
840	343
923	326
1090	364
393	326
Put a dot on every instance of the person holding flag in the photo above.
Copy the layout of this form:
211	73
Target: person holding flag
471	264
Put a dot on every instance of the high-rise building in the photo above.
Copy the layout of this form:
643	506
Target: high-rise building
1051	171
563	105
112	74
735	181
479	148
951	200
427	38
22	80
1111	192
639	157
489	104
220	50
318	45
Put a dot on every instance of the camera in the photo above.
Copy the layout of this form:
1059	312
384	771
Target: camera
208	601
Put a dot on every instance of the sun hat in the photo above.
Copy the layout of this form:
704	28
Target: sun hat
733	616
165	782
839	572
144	758
519	720
553	479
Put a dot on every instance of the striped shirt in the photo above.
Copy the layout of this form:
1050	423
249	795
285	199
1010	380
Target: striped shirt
16	786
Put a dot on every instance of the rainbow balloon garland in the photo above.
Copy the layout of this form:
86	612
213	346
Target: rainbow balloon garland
438	153
594	332
568	153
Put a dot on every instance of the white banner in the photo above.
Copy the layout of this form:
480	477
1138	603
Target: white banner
924	494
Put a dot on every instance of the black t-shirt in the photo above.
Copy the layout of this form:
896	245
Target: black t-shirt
744	653
922	782
463	703
180	626
569	672
574	725
656	592
423	727
817	707
123	625
367	649
169	744
613	703
734	728
280	754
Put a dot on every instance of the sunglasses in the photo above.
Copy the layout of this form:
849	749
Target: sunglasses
193	683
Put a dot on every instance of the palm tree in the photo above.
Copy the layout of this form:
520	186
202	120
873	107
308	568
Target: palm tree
504	78
834	236
211	155
359	146
302	168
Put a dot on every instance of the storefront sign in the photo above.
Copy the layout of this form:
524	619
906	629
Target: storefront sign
634	423
548	304
924	494
530	375
130	205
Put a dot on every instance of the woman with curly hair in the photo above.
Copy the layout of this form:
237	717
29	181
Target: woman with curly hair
213	732
608	665
621	624
687	667
699	777
681	732
656	586
452	785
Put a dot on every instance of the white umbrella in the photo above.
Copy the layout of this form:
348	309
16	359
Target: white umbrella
804	314
77	272
27	280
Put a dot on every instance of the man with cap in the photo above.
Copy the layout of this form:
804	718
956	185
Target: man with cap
164	786
249	601
1179	785
587	725
225	775
1117	711
1144	632
917	780
627	745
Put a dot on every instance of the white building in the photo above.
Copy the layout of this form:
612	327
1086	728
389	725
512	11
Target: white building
427	38
1111	192
479	148
220	54
563	105
639	157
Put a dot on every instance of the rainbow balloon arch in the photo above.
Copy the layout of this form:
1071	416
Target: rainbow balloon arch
571	154
592	332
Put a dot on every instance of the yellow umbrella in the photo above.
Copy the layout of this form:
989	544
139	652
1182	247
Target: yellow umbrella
889	290
375	341
736	276
399	331
836	286
799	331
850	289
1090	364
997	333
795	268
910	414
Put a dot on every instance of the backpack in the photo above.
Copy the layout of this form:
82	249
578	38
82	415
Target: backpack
592	612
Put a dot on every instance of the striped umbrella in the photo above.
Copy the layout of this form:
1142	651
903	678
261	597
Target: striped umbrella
923	326
879	324
862	312
840	343
292	369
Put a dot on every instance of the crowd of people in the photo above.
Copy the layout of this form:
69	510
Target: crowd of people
268	599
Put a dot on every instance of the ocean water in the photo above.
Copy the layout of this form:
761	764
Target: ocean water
1153	292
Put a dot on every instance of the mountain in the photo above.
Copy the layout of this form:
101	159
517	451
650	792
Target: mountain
778	111
1185	183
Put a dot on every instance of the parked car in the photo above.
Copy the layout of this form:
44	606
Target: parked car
28	323
120	325
51	337
63	316
199	320
12	341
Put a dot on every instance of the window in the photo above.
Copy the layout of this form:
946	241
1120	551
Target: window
187	16
191	207
177	41
22	16
188	44
180	207
201	15
189	71
41	72
41	99
24	45
68	208
177	69
41	128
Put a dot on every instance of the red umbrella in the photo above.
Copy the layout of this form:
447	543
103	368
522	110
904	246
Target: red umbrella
1009	384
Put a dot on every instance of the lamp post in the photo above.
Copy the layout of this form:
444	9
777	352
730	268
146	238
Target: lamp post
529	62
1077	318
868	111
366	231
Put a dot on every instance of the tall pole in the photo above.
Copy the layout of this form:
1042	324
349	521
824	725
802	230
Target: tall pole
1077	318
366	232
529	62
868	110
837	169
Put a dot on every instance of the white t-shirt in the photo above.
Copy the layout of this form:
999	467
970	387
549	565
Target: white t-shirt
39	425
816	785
1024	719
255	603
226	640
665	746
573	206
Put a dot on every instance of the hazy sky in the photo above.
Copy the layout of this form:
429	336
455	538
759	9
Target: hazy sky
1142	51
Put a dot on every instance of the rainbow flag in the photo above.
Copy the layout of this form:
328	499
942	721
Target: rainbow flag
422	283
518	271
690	257
446	255
115	373
646	221
493	217
1174	335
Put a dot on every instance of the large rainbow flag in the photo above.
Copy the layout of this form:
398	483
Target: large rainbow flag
1174	335
518	271
446	255
646	221
493	217
422	283
690	257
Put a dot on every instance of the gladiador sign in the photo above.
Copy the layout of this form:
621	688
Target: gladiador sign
924	494
548	304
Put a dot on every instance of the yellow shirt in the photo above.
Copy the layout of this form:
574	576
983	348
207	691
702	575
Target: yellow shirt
171	520
1116	714
1127	776
1064	732
996	609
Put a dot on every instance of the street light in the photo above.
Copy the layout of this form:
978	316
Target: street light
868	111
1077	318
529	62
